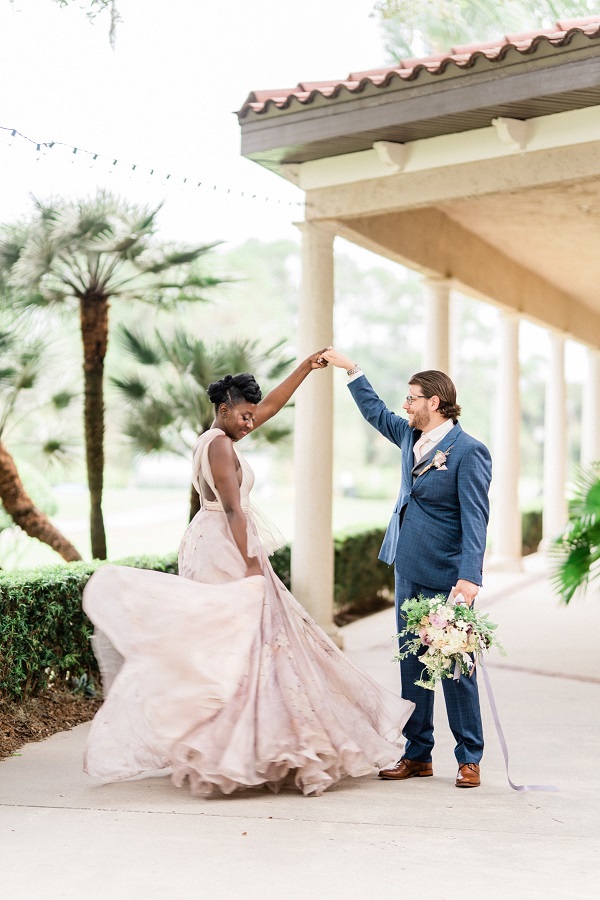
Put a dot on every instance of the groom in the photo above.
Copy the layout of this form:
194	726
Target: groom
436	541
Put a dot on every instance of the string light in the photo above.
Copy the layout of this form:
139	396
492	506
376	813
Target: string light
81	153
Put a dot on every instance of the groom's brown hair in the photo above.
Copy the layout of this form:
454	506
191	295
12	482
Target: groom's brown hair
437	384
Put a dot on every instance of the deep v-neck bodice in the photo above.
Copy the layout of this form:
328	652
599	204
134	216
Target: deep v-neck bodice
202	471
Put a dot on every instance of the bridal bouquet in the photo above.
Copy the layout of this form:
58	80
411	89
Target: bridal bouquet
450	632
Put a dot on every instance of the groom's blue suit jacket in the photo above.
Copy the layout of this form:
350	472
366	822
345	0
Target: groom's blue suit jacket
437	532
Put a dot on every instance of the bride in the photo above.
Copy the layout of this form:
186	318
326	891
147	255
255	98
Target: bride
219	674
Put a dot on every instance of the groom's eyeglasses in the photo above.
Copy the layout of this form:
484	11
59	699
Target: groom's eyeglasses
410	400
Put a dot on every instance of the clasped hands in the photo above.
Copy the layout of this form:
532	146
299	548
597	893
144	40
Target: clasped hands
329	355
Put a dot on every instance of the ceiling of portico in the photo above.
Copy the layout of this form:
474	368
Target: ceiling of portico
495	250
553	231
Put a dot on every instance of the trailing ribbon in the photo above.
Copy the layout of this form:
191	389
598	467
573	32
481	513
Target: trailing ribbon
502	739
495	716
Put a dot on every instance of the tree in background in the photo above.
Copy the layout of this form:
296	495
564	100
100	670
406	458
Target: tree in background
377	322
85	255
96	8
23	396
168	406
422	27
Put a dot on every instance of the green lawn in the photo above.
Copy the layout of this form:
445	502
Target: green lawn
151	520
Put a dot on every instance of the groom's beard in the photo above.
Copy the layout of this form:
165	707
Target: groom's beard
420	419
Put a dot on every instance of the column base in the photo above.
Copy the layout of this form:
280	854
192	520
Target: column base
334	633
546	543
504	564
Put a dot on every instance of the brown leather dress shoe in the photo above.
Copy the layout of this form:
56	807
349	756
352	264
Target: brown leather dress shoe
468	775
407	768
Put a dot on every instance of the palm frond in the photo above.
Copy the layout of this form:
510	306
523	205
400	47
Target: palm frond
278	365
58	451
7	340
147	427
133	388
190	404
11	246
273	434
172	258
30	364
576	553
189	286
576	559
144	350
142	221
586	491
7	374
62	399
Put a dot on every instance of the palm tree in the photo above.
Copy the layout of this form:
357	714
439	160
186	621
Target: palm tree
21	369
576	553
166	393
88	254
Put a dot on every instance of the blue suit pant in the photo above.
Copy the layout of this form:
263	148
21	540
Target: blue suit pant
462	698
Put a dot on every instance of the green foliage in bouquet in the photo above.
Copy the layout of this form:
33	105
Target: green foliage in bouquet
445	635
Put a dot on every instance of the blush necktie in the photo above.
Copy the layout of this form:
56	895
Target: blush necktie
420	447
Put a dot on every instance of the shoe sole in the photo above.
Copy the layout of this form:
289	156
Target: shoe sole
405	777
467	785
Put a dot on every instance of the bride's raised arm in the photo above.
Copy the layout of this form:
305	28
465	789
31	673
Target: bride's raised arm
279	396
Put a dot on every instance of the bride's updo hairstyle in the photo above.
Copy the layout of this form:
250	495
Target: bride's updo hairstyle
234	389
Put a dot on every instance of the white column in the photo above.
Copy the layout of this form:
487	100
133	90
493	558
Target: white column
506	545
436	354
590	416
312	549
555	443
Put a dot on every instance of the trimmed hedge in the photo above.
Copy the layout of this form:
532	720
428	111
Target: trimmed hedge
531	524
44	633
359	576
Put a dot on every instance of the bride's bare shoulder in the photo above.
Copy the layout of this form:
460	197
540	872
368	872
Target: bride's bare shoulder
221	446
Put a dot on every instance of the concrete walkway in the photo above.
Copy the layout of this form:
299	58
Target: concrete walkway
62	835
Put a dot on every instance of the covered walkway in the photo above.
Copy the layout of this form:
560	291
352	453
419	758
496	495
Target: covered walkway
480	169
62	835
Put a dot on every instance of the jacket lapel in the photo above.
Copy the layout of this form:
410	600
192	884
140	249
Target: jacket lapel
408	462
446	442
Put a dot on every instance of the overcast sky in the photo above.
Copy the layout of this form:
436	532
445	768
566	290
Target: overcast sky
164	100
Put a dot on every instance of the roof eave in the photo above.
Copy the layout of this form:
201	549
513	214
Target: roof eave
550	78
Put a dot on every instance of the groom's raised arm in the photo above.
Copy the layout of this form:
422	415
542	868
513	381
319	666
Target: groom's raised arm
372	407
387	423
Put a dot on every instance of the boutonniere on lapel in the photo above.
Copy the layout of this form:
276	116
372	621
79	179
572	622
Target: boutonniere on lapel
439	461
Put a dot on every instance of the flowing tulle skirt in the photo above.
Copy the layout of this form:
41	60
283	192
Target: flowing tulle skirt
229	685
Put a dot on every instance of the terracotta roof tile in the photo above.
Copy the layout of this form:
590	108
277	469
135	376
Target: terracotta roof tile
475	48
463	56
590	21
526	37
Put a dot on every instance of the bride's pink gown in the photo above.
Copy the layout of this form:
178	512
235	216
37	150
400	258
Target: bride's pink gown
227	680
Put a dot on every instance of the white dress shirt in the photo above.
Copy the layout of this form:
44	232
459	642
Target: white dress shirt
430	438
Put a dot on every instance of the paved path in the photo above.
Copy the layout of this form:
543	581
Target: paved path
62	835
